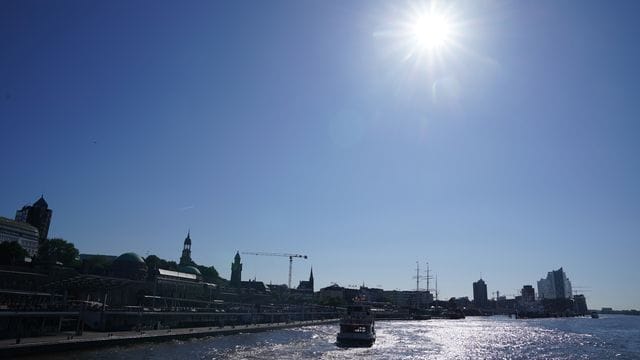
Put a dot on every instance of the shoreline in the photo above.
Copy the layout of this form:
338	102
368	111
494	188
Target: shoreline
90	340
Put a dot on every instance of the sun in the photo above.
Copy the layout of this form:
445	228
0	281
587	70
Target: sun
431	31
426	34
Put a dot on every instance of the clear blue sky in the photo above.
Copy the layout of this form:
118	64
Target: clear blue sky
308	127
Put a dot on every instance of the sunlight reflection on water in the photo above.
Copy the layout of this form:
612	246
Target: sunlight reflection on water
471	338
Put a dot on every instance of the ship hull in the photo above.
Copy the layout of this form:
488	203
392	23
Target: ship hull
352	341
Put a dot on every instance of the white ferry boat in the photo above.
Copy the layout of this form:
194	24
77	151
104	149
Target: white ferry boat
357	327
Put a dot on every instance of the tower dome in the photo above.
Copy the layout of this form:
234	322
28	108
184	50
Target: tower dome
129	265
190	270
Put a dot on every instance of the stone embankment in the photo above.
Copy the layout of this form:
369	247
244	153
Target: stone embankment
68	342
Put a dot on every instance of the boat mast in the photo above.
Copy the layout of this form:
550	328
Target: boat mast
417	276
417	285
428	276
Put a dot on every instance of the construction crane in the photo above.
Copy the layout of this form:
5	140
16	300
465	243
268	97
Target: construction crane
290	256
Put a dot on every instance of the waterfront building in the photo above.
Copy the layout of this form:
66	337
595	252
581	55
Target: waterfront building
372	294
129	266
190	269
580	304
480	293
37	215
173	289
528	294
332	293
555	286
236	271
463	302
254	286
185	259
24	234
409	298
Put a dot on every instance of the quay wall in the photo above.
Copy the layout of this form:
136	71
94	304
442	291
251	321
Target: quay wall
30	346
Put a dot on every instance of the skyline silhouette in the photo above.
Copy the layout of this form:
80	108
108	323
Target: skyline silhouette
507	149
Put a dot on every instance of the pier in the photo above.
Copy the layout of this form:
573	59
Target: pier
69	341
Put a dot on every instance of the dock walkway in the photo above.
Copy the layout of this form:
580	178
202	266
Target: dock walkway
68	341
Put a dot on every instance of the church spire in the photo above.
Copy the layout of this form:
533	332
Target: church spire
185	259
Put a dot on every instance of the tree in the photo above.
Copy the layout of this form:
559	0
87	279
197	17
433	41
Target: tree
58	250
209	273
12	253
155	262
96	265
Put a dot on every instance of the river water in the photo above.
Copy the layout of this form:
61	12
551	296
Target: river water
610	337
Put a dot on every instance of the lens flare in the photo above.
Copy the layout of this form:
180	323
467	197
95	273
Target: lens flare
431	31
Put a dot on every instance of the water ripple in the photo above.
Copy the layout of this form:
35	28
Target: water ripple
472	338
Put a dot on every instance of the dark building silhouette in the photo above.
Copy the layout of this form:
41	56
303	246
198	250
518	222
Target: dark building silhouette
528	293
130	266
580	304
480	293
559	283
20	232
307	285
236	271
37	215
555	286
190	269
185	259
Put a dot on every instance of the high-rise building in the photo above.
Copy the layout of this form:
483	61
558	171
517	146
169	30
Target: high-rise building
236	271
480	298
185	259
22	233
555	286
37	215
580	304
528	293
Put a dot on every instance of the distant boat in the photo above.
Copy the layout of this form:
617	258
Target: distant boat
357	327
594	315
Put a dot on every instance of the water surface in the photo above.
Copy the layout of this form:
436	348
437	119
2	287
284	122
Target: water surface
610	337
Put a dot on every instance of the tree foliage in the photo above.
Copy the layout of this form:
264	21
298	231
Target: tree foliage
11	253
209	273
96	265
58	250
155	262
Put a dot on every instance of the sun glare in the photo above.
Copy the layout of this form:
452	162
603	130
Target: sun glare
431	31
427	34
